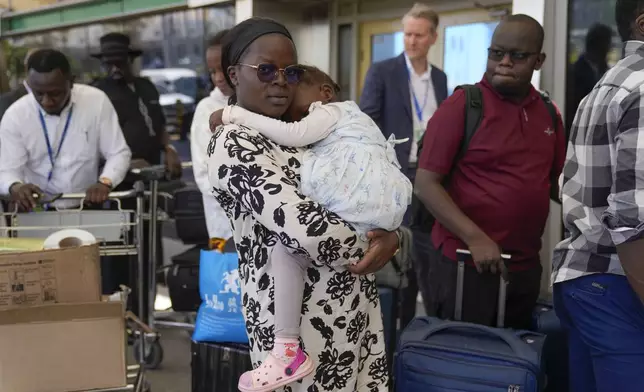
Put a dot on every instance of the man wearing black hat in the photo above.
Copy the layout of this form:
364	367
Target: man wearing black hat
136	101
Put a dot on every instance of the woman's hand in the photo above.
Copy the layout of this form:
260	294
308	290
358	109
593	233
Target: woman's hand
216	119
382	248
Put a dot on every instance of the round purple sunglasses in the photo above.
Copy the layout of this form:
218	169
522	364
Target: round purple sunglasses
267	73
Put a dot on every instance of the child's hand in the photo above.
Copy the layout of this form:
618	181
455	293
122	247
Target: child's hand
216	119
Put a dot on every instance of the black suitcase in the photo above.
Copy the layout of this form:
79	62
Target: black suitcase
190	219
183	287
169	186
189	257
555	349
216	367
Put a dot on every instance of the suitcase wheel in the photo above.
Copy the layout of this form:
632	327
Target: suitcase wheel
153	354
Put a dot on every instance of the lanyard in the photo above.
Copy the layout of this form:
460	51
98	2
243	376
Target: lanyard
50	151
419	109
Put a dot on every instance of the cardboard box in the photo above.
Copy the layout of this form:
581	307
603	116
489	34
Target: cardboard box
62	347
69	275
13	245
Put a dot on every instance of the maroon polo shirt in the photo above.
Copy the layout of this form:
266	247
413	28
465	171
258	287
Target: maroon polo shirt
502	183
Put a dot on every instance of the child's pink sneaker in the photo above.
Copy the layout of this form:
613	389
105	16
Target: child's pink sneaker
273	373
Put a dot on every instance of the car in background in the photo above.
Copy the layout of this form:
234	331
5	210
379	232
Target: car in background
179	91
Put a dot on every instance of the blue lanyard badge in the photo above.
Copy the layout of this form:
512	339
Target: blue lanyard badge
419	109
50	151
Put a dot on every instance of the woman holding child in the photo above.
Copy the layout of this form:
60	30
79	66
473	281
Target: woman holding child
296	255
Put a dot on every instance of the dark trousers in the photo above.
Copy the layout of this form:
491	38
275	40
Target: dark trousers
422	252
605	323
481	292
410	293
186	122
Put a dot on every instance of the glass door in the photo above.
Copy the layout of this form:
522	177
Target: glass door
379	40
465	52
460	51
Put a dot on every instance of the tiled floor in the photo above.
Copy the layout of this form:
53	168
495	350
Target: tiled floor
174	373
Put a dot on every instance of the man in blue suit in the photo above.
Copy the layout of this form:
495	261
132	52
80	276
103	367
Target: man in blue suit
401	95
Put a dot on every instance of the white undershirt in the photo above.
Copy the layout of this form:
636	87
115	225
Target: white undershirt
216	220
422	86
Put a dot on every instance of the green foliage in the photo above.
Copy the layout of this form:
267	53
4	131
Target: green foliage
15	57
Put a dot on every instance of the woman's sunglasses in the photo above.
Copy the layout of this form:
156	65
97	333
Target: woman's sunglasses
267	73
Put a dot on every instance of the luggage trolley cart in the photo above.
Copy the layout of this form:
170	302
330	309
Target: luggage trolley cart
153	214
112	229
164	319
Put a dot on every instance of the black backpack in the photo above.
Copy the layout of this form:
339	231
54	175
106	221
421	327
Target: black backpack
421	218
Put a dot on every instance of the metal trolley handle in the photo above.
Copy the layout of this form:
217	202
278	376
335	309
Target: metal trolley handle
113	195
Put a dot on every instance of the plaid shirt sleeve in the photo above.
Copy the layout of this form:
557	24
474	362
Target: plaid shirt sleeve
624	217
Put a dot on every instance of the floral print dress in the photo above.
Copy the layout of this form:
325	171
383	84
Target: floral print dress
257	183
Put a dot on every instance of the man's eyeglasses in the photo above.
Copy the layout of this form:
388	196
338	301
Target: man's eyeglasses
516	57
267	73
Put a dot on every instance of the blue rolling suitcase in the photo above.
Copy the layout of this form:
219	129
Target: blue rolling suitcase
450	356
555	349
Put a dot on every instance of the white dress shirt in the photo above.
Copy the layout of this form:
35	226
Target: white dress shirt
423	87
94	133
200	135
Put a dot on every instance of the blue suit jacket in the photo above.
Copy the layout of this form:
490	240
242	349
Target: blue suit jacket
387	100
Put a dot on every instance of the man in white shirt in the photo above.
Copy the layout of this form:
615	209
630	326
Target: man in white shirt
401	95
51	140
216	219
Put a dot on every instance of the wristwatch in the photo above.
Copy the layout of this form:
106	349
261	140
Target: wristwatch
105	181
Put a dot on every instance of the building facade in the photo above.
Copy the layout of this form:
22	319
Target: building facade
171	35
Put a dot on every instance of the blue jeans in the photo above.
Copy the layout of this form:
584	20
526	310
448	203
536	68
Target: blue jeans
605	321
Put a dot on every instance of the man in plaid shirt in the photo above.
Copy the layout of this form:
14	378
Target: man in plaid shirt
599	268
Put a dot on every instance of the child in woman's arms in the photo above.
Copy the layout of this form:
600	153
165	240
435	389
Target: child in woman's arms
351	170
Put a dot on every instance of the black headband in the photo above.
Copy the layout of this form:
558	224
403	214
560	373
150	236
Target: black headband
240	37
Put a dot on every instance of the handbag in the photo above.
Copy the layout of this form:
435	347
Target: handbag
219	318
394	273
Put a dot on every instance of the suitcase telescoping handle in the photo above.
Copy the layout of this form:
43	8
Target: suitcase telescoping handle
462	255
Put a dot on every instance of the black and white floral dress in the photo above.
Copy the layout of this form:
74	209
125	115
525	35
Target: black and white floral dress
257	182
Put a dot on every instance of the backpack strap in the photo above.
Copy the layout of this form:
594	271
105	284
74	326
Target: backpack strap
551	109
473	116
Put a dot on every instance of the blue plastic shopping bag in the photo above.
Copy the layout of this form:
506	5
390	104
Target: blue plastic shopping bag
219	318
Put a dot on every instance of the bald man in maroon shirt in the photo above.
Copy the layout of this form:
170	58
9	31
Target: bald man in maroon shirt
497	197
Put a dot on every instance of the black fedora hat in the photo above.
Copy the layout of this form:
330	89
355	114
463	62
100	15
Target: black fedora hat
116	44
